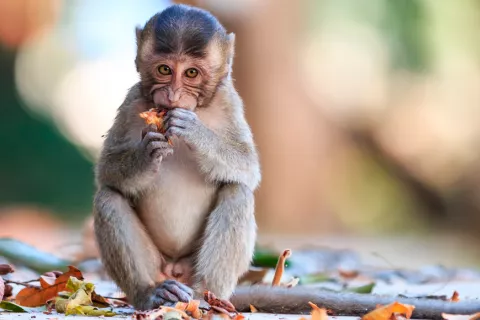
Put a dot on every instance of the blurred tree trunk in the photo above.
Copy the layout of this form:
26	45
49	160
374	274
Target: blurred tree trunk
291	135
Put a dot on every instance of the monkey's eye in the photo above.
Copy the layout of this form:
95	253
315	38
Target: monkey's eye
191	73
165	70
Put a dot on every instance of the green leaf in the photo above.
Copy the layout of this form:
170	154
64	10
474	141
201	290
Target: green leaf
267	259
362	289
314	278
10	306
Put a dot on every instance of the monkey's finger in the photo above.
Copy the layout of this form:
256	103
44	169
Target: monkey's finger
153	136
180	113
178	292
161	152
175	122
173	131
158	148
166	295
149	128
182	286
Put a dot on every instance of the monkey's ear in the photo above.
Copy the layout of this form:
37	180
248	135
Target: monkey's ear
231	48
138	33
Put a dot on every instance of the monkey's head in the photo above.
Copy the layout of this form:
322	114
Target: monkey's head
183	55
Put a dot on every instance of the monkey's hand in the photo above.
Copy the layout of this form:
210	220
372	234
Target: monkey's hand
168	293
186	125
226	156
154	146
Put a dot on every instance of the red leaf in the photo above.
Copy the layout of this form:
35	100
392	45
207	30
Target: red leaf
46	282
35	297
5	269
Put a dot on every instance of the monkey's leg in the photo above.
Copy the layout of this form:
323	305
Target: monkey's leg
229	241
129	255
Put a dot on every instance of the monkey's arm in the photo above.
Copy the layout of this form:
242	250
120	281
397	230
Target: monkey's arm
295	300
225	156
130	156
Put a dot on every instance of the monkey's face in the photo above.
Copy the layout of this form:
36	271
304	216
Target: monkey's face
179	83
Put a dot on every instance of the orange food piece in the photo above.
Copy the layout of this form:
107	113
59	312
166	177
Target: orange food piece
153	116
386	312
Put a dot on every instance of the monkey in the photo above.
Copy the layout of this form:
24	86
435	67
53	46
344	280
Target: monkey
174	219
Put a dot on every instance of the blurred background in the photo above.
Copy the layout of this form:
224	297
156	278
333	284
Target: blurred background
365	113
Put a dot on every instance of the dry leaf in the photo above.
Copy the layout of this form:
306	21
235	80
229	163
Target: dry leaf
7	291
455	297
447	316
318	313
193	307
47	281
5	269
348	274
35	297
154	314
386	312
279	269
253	309
213	301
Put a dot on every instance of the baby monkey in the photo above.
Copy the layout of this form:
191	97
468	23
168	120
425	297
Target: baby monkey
173	220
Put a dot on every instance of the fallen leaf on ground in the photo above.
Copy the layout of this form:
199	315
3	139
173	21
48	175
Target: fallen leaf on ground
5	269
7	291
160	312
280	268
13	307
447	316
386	312
80	301
35	296
455	297
348	274
362	289
318	313
10	306
193	307
213	301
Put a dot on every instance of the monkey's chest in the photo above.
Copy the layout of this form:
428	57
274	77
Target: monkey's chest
174	211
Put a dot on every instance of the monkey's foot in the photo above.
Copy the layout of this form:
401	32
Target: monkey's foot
169	292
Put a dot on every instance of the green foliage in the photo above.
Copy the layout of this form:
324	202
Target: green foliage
38	165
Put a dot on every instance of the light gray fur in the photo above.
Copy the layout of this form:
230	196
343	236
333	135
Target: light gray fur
195	202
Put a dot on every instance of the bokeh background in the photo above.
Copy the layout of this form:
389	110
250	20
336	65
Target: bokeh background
366	116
